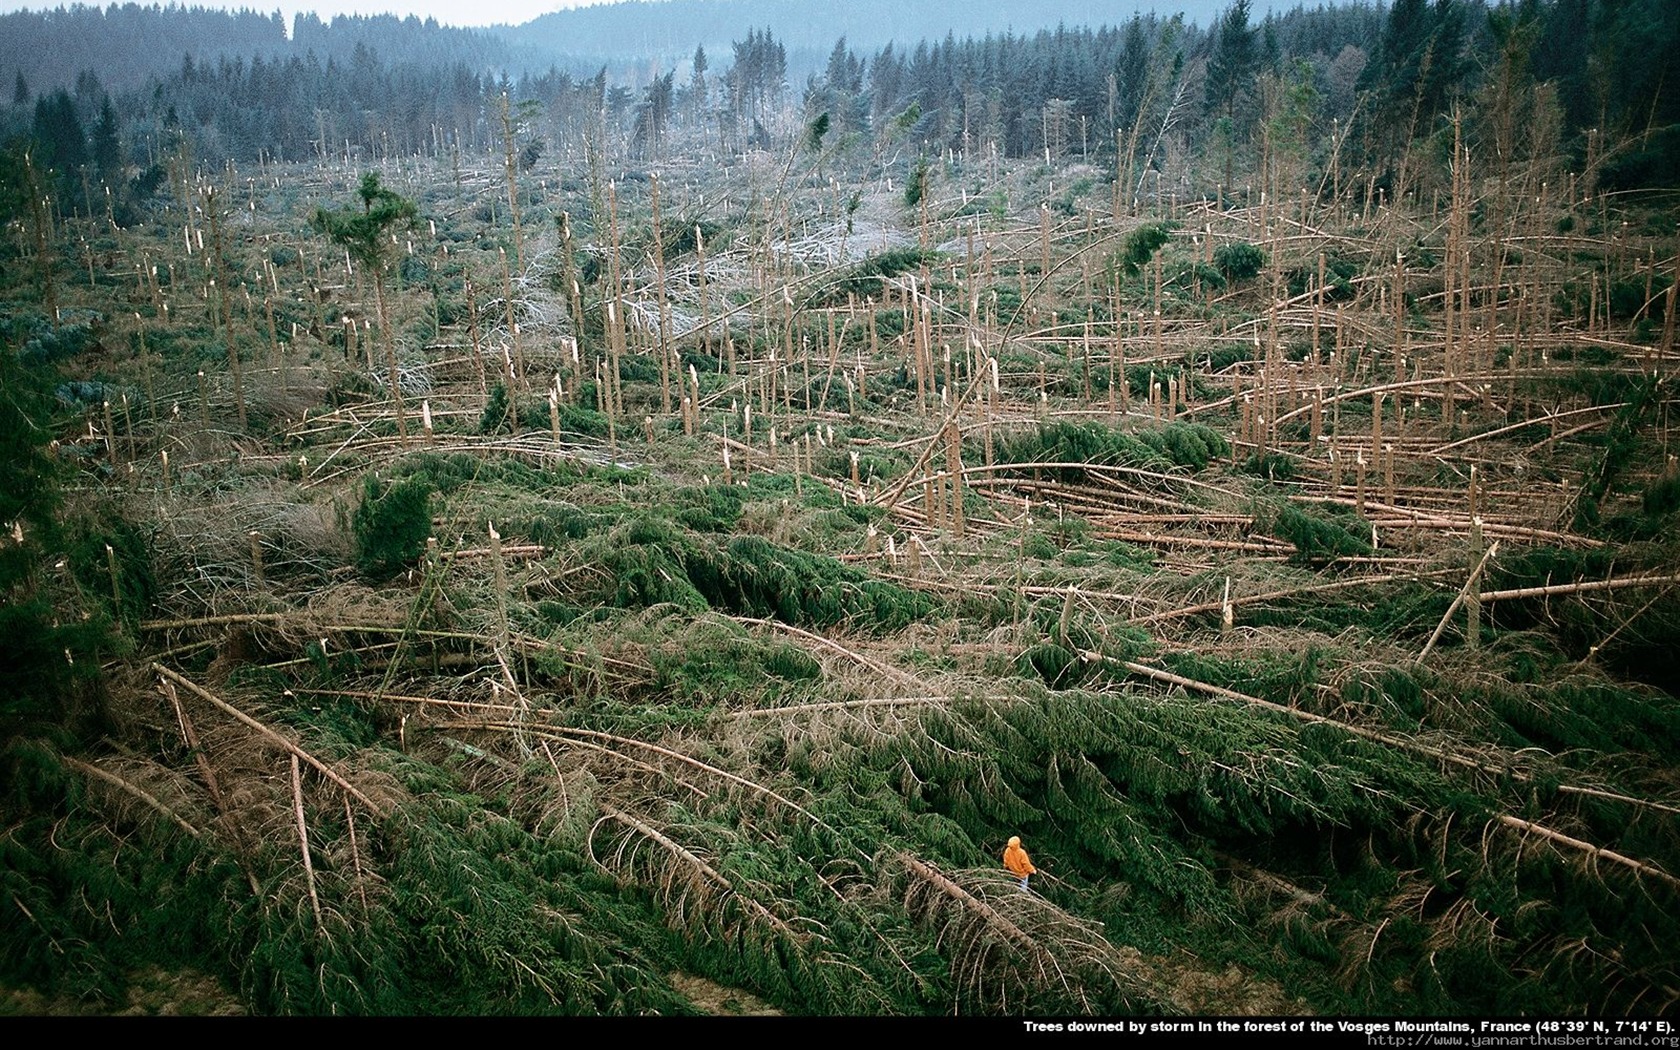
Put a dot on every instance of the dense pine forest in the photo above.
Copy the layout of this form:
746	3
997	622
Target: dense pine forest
629	515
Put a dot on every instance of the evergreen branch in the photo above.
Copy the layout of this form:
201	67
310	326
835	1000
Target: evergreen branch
1409	517
987	915
702	870
1174	109
1281	885
1463	592
212	621
827	643
1093	468
1254	599
355	855
133	789
272	736
842	705
1550	418
303	840
363	694
1369	734
1574	789
1587	847
588	745
1061	953
212	783
1593	650
585	736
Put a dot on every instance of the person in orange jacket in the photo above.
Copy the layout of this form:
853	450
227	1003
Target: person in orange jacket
1016	860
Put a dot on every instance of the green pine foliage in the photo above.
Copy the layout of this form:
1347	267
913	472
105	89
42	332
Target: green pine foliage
1583	629
1178	445
1339	273
130	597
1661	497
545	934
366	232
719	664
1322	532
653	561
497	416
916	185
1141	245
1620	443
867	279
1272	466
50	680
390	524
1126	789
1191	275
29	491
1240	261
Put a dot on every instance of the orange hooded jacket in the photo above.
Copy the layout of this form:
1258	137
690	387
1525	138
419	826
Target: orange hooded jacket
1016	860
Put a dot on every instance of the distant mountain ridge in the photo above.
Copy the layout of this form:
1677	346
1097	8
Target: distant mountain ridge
124	45
53	48
671	29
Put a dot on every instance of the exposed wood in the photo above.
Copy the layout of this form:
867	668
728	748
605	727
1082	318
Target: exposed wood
303	840
272	736
1597	852
1446	618
133	789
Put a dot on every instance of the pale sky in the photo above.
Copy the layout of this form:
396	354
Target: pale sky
448	12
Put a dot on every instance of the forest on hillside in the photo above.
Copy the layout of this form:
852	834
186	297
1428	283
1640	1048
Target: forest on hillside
639	538
239	89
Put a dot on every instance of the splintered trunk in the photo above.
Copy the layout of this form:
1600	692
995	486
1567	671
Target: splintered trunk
392	369
1085	358
1117	374
1043	244
1452	320
1473	590
43	242
954	469
274	344
615	279
663	344
568	275
705	308
1668	320
234	368
1376	430
1318	310
1120	175
517	375
472	332
512	183
614	363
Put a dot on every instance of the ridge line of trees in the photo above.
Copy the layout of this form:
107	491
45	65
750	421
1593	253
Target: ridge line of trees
1250	98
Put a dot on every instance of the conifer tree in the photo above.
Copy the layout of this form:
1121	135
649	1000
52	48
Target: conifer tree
653	113
1230	70
60	141
107	146
1417	71
697	83
366	235
51	656
1232	65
